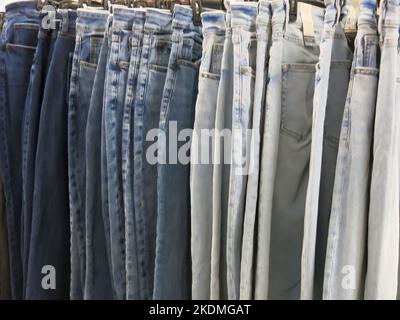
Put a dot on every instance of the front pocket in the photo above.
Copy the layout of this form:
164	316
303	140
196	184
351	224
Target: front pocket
298	82
20	47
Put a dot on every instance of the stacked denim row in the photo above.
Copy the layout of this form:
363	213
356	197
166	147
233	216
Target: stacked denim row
253	157
309	208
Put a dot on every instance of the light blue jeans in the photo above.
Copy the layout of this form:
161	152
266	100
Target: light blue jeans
243	15
263	26
346	248
383	221
201	173
222	149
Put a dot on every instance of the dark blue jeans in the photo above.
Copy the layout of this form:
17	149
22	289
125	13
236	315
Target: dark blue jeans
89	37
98	279
172	278
17	48
30	129
50	234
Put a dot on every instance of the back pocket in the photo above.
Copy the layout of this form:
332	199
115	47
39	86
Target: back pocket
298	82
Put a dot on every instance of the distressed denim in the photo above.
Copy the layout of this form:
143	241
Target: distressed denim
383	221
172	275
98	268
346	247
201	170
17	47
331	82
263	32
222	155
50	233
90	27
150	83
132	277
30	128
269	151
287	136
117	74
244	41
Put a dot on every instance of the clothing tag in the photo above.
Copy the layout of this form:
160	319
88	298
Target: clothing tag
308	24
352	17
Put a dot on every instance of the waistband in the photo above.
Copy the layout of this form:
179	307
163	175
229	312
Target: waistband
264	13
158	20
244	14
213	21
20	7
389	14
183	18
367	12
88	21
139	19
123	18
68	21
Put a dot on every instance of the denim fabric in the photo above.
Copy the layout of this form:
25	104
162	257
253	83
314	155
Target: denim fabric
17	47
263	23
5	289
287	136
150	83
331	81
269	153
90	27
132	277
172	275
349	214
103	163
383	220
222	154
201	170
50	233
117	74
244	69
98	276
30	128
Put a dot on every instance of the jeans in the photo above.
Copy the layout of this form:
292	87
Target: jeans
117	73
172	275
201	172
290	106
98	276
349	213
132	277
269	151
17	47
90	27
30	128
5	289
263	26
244	68
222	155
154	59
383	221
50	232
